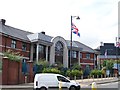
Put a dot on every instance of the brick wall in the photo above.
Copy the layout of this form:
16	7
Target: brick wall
6	44
12	72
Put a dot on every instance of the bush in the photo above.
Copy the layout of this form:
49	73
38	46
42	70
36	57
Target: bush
74	73
96	72
51	70
43	62
76	67
14	56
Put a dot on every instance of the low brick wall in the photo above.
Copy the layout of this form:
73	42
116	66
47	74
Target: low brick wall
12	72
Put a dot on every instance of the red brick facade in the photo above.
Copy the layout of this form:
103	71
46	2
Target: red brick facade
6	44
87	61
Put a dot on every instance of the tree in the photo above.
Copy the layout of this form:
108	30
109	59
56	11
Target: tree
109	65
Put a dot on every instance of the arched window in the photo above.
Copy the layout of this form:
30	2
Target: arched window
59	52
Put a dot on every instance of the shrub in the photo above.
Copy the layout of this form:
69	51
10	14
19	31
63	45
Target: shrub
95	72
74	73
68	73
14	56
76	67
51	70
43	62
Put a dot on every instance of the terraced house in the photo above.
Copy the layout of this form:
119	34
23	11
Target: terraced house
37	46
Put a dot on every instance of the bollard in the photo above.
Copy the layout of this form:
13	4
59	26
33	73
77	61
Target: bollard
60	85
94	86
25	79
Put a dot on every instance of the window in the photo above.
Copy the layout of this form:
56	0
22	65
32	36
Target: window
24	46
59	49
74	54
59	52
42	52
13	44
88	56
80	55
62	79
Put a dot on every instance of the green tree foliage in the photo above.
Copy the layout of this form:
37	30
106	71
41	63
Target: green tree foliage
14	56
109	64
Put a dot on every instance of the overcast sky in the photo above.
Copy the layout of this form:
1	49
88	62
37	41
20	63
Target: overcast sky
98	18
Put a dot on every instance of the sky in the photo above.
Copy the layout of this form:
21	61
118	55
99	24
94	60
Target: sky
98	18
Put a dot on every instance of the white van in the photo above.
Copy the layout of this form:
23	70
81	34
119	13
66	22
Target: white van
45	81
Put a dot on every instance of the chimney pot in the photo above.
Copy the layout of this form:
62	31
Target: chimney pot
43	32
3	21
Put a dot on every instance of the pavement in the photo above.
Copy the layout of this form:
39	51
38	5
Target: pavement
87	82
83	82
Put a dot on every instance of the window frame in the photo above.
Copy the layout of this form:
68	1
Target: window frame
13	43
87	55
24	46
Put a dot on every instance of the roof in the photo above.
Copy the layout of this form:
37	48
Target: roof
17	33
40	37
85	47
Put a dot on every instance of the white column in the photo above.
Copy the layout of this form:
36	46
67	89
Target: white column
37	52
52	55
79	57
65	57
46	53
31	53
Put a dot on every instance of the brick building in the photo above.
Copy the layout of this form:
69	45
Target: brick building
37	46
108	51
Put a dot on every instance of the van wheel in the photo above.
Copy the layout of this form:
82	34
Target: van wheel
43	88
72	88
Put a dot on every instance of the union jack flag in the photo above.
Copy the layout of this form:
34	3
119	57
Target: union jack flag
75	30
117	44
106	53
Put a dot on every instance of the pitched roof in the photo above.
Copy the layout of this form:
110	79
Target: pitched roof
39	36
17	33
85	47
80	46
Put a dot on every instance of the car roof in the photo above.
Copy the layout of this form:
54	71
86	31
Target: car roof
48	74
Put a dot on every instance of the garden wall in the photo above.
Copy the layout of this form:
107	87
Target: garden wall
12	72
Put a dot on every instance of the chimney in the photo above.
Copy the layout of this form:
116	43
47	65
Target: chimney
3	21
43	32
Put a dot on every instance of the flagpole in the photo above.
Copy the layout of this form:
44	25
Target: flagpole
77	17
117	56
70	45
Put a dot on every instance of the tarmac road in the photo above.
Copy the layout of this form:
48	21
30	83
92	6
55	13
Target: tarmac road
85	84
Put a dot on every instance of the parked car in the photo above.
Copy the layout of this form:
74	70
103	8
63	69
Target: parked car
45	81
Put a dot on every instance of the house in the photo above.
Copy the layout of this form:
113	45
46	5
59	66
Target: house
36	46
108	51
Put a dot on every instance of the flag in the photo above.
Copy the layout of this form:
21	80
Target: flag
106	53
75	30
117	44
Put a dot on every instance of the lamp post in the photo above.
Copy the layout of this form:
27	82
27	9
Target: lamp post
77	17
117	55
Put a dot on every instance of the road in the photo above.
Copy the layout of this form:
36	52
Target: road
106	86
109	84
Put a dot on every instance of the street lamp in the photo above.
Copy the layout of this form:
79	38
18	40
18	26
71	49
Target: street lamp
77	17
117	55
